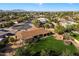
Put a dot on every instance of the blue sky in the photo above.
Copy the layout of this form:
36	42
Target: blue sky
41	6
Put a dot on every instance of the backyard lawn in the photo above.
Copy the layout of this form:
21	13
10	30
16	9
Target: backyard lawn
50	43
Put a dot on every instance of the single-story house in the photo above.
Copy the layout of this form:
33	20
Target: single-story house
65	22
30	34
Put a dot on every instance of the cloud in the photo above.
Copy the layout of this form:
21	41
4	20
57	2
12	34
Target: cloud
40	3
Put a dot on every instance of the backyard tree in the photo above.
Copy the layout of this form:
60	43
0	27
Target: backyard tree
46	25
76	27
36	23
59	29
43	52
69	28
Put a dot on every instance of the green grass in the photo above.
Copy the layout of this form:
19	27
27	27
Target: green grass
75	35
51	43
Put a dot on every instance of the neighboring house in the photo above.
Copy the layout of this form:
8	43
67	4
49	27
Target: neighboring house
21	26
76	15
65	22
4	33
30	34
16	22
43	20
1	20
41	15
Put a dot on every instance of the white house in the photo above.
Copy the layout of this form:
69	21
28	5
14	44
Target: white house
64	22
43	20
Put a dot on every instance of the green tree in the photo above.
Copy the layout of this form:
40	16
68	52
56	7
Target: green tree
67	53
59	29
69	28
36	23
19	52
46	25
43	52
76	27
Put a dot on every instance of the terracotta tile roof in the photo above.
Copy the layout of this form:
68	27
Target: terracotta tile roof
34	32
